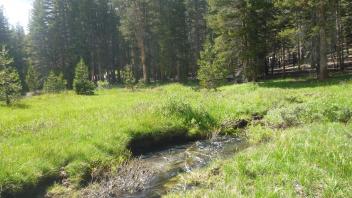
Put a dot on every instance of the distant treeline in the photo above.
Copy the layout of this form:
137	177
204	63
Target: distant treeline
164	40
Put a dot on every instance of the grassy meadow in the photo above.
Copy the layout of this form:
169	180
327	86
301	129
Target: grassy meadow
306	161
300	148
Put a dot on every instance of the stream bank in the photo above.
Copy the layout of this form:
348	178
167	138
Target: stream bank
152	174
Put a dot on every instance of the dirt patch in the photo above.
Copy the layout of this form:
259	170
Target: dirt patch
131	177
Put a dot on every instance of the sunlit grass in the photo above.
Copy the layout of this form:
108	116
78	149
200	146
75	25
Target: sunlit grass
44	134
308	161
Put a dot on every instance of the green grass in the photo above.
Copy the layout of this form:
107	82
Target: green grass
309	161
44	134
301	149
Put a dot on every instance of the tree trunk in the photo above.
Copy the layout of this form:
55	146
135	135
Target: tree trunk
298	41
323	74
339	37
8	102
178	71
299	54
283	60
273	64
143	61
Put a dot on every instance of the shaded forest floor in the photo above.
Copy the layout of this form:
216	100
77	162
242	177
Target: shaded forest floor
293	70
301	144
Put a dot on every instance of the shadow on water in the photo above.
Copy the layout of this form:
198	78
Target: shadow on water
304	82
152	142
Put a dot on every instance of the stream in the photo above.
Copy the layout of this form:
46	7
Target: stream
151	174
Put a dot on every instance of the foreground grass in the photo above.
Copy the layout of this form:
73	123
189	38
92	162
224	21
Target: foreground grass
310	161
48	134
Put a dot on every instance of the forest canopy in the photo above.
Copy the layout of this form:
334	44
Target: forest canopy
163	40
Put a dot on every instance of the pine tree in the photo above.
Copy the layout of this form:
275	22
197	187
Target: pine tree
39	27
241	30
196	29
82	85
134	26
4	29
10	84
13	37
33	79
128	77
17	50
318	29
211	73
54	83
5	59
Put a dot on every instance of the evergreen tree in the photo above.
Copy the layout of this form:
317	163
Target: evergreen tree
32	79
82	84
134	26
319	23
241	29
54	83
62	31
17	49
10	85
39	27
196	12
4	29
211	73
128	78
162	39
5	59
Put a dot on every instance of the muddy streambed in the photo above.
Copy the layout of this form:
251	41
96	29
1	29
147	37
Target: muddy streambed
150	174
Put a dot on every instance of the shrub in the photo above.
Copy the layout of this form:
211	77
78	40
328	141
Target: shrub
54	83
345	115
141	84
289	116
103	84
81	84
337	113
294	115
128	77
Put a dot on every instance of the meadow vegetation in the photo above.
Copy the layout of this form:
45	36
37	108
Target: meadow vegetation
305	161
300	144
300	149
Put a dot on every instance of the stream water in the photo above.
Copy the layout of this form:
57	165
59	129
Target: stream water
183	159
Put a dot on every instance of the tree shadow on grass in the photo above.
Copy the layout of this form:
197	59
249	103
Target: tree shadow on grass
300	83
16	106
